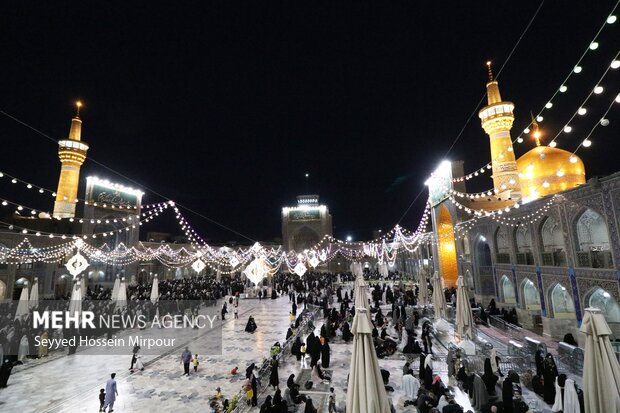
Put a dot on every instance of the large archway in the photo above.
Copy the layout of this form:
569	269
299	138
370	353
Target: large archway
446	247
305	238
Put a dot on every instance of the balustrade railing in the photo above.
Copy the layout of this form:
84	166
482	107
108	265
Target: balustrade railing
515	332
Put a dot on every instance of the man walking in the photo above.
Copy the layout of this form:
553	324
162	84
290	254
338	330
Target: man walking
186	358
110	393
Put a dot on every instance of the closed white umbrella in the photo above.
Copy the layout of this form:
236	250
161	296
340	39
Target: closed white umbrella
423	293
121	298
360	298
439	299
34	294
75	305
155	290
365	392
464	317
601	372
360	294
22	304
356	269
117	284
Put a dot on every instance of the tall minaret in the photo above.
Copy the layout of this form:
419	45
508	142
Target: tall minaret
497	118
72	154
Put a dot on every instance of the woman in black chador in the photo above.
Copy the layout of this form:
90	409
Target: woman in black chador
550	372
250	327
346	332
274	377
325	350
296	348
489	379
539	358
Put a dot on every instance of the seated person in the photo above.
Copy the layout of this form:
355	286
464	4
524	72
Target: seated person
295	396
290	383
250	327
426	401
318	375
310	407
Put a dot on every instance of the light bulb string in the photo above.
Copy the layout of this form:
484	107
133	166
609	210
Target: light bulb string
557	90
587	98
597	124
545	148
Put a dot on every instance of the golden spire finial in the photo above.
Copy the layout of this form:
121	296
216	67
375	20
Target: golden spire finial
490	71
78	104
535	130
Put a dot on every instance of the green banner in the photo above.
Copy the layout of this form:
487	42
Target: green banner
304	215
104	195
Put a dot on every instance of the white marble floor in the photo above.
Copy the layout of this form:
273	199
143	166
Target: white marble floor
72	383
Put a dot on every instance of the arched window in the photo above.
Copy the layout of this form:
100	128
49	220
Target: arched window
21	282
523	242
562	302
466	252
531	297
602	300
469	279
523	239
553	243
502	246
508	290
501	241
593	241
62	288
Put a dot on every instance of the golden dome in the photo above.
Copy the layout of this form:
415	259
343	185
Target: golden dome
545	171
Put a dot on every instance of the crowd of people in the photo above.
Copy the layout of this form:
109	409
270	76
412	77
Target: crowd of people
399	325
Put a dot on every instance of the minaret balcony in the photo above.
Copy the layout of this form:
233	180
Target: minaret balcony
72	144
498	110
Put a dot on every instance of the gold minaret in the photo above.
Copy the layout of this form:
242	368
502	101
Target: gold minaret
72	154
497	118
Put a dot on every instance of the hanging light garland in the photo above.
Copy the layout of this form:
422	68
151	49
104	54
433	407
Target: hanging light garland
576	69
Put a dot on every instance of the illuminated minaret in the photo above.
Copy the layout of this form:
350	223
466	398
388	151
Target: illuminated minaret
72	154
497	118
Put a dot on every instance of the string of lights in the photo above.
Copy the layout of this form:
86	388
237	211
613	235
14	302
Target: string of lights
577	68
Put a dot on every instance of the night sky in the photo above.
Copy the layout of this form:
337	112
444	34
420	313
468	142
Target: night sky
224	106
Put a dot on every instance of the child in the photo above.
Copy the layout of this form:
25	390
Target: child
101	399
303	355
234	371
236	312
195	363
